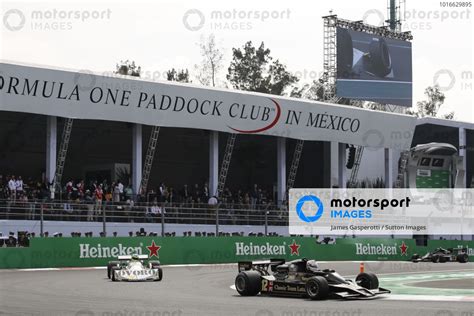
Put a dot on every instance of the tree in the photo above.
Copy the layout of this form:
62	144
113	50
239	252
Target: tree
313	91
178	75
212	57
431	106
253	69
128	68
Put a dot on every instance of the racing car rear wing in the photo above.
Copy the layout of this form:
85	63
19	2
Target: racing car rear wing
129	257
259	264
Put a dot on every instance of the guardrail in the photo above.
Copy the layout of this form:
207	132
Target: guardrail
160	213
97	251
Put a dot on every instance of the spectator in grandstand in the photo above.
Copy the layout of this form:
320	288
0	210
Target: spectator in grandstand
153	211
162	192
128	192
81	190
12	187
69	189
185	195
254	196
120	189
88	199
107	196
67	207
205	193
116	192
196	194
19	186
98	197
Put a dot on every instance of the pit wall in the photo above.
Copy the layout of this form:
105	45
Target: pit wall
86	252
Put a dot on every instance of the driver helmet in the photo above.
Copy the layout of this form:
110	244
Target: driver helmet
135	257
312	265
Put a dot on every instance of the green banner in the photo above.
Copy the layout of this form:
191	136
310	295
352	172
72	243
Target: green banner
84	252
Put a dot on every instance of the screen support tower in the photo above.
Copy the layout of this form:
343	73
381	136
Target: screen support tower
62	153
394	14
150	155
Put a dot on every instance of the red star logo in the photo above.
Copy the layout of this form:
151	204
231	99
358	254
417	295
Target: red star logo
294	248
404	248
153	249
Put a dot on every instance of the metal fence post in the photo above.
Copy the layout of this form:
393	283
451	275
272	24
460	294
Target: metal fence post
104	220
41	221
162	219
217	221
266	222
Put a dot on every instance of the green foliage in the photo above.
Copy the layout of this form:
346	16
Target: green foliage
431	106
178	75
253	69
128	68
212	57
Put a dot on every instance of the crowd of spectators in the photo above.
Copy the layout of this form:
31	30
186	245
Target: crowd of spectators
13	187
81	201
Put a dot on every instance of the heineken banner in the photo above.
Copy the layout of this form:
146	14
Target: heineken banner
84	95
83	252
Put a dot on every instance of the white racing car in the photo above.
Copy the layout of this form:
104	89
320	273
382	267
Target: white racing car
134	268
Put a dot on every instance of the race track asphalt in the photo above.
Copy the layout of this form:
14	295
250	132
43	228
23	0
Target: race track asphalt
206	290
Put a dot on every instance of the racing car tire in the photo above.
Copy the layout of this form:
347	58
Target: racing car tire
435	259
368	280
317	288
160	274
112	272
380	57
248	283
462	258
443	259
109	267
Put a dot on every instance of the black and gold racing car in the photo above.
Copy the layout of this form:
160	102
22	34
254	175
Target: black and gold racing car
302	278
443	255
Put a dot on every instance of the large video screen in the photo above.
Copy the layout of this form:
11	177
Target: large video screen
373	68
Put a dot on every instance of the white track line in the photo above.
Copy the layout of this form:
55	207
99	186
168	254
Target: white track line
399	297
103	267
444	298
